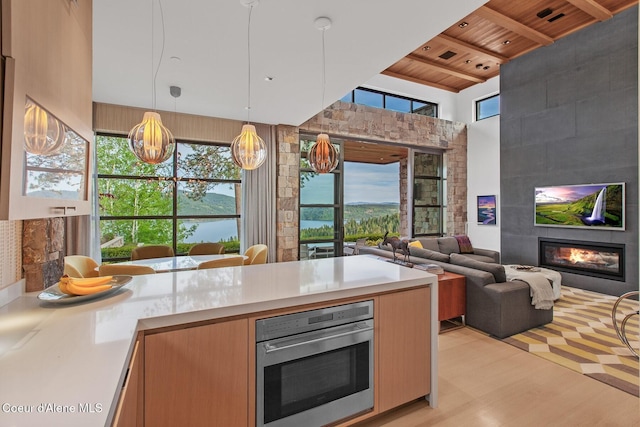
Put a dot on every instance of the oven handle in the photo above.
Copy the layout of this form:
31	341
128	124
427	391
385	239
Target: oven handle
358	328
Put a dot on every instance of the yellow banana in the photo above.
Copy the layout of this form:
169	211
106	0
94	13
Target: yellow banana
86	290
89	281
84	286
62	284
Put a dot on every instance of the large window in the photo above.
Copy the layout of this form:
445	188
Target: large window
429	195
377	99
488	107
192	197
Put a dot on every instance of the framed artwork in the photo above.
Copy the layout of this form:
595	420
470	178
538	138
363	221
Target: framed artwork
593	206
487	210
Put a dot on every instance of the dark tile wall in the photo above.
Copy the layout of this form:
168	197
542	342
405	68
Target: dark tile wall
569	115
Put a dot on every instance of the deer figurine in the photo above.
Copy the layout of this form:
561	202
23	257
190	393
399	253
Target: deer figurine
396	244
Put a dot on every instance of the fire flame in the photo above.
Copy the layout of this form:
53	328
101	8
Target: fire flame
578	256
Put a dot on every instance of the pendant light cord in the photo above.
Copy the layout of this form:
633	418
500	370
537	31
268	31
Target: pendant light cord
155	75
249	65
324	81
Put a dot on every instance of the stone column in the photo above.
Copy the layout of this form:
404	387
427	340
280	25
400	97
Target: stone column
42	252
288	185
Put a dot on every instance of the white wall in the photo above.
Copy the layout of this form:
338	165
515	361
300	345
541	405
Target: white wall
483	161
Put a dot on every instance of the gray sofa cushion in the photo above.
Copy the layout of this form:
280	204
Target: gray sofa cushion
496	269
428	254
482	258
448	245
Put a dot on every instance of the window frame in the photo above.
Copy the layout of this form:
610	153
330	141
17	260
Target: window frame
174	181
352	98
478	103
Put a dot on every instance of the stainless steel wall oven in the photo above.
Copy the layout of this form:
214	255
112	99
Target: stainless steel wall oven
314	367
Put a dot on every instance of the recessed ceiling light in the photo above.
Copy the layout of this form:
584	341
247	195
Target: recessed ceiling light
176	58
426	48
468	61
479	66
506	42
486	67
268	78
463	24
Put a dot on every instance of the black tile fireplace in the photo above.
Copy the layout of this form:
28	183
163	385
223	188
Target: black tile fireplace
595	259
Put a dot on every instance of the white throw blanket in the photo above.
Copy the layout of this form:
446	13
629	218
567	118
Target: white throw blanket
541	290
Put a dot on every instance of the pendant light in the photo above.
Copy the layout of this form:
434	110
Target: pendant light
323	155
150	140
248	150
43	133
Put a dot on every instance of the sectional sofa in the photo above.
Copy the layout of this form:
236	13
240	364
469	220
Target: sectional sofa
494	305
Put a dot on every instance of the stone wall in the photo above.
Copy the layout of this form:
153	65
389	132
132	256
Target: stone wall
42	252
288	185
347	120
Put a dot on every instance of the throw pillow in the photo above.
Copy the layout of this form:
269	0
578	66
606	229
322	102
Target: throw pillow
428	254
496	269
415	244
465	244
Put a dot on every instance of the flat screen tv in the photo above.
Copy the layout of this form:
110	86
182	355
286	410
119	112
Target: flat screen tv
593	206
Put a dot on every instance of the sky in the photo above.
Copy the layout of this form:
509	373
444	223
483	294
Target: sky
364	182
567	193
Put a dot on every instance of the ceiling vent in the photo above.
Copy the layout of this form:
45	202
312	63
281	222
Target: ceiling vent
448	55
544	13
555	18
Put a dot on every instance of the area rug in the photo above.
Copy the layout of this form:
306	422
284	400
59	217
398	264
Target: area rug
582	338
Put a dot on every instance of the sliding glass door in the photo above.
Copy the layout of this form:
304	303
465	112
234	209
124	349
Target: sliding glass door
321	212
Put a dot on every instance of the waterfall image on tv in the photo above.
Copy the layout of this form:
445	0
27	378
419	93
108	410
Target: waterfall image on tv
598	206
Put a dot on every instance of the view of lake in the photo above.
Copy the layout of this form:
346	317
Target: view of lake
224	229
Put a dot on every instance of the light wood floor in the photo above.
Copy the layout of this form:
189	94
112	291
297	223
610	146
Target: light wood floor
485	382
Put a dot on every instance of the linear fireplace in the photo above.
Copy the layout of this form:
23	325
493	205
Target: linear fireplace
596	259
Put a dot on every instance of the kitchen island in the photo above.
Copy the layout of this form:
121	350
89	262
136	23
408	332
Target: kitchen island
66	364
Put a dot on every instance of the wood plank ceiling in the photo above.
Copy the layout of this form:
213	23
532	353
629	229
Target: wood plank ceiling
472	50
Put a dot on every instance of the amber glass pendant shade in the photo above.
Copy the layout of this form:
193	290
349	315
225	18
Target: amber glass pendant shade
150	140
248	150
323	155
43	133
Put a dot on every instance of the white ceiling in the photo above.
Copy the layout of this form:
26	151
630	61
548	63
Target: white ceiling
210	39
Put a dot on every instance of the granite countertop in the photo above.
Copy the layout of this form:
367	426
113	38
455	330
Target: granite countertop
64	364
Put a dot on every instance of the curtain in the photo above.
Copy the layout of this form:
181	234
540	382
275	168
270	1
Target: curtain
259	198
78	236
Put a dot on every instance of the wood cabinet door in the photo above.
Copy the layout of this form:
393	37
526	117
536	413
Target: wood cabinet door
197	376
129	412
404	340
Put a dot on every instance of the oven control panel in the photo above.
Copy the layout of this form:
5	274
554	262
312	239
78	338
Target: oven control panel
288	324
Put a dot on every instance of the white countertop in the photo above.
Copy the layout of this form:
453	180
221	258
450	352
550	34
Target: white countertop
72	357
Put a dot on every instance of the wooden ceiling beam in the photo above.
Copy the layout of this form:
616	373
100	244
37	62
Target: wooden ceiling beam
455	43
513	25
419	81
445	69
592	8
